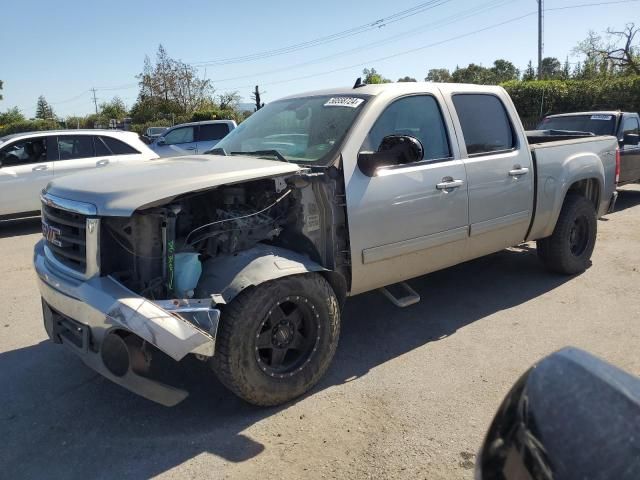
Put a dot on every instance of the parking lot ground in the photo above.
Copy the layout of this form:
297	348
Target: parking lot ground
410	393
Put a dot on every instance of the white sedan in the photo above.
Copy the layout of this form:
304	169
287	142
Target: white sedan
28	161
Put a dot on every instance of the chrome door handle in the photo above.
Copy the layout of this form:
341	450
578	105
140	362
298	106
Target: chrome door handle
102	163
40	168
516	172
449	184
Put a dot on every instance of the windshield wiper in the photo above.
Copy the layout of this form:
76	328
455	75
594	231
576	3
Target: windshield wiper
258	153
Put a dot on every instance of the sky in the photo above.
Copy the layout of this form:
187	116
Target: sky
65	48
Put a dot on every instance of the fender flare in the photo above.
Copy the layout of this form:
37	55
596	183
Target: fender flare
225	277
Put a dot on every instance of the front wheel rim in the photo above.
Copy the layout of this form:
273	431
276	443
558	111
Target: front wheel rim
579	236
288	337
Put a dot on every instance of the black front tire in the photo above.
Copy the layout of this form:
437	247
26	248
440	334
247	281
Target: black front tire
244	368
568	250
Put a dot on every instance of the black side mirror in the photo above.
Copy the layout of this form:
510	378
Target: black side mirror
161	141
570	416
393	150
631	139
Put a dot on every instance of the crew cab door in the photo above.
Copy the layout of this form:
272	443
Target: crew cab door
177	142
404	221
209	134
26	167
499	172
629	153
78	152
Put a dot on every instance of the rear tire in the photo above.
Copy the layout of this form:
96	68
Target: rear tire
276	340
568	250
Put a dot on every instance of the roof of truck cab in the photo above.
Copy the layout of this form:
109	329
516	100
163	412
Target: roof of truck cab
400	88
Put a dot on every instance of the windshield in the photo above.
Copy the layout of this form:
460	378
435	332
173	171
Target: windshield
307	129
597	124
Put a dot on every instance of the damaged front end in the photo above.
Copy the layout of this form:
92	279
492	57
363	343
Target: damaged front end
121	291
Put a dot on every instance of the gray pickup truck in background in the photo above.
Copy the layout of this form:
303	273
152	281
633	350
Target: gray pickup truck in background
625	126
244	257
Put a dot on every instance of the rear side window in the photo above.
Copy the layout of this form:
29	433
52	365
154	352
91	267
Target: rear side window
22	152
213	131
118	147
485	125
101	149
75	146
631	126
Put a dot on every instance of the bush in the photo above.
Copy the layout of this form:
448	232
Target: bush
28	126
535	99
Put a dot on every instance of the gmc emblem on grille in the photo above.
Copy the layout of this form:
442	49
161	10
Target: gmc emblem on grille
51	234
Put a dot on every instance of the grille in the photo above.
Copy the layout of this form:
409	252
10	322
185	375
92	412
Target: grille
65	236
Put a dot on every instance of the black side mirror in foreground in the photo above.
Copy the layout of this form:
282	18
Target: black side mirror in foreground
631	139
393	150
571	416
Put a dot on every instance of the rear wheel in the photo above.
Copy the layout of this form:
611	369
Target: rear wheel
275	341
568	250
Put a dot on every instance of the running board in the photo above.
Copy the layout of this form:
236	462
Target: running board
411	297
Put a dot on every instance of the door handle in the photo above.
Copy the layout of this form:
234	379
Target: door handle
40	168
190	148
102	163
516	172
449	184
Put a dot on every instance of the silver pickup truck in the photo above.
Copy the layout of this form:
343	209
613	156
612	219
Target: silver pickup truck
243	257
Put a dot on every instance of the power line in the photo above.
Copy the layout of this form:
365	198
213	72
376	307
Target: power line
424	47
377	24
436	25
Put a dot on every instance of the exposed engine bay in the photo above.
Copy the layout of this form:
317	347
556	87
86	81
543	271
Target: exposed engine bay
161	251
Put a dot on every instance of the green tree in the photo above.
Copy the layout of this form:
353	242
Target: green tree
43	109
473	74
566	69
618	52
551	69
115	109
229	100
530	73
12	115
440	75
504	71
371	76
407	79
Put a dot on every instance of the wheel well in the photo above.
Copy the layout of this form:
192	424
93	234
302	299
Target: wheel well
588	188
338	283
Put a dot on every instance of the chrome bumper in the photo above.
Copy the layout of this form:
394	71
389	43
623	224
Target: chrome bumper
103	305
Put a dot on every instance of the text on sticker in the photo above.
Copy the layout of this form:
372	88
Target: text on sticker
351	102
600	117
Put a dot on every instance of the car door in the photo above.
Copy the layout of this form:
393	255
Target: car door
77	153
409	219
629	153
177	141
26	166
499	172
117	150
209	134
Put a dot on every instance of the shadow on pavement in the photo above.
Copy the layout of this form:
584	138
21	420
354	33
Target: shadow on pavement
19	226
627	199
60	420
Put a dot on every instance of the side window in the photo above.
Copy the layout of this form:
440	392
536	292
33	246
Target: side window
213	131
631	126
75	146
24	152
101	149
118	147
179	135
485	125
418	116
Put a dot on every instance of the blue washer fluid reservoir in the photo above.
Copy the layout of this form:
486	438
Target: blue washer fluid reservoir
187	273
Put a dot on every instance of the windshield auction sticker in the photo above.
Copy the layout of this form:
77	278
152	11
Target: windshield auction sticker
601	117
351	102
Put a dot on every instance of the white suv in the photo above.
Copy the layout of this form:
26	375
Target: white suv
28	161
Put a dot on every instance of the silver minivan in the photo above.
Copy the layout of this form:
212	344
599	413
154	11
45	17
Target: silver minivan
191	138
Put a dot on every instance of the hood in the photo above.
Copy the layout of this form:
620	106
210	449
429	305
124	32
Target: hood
122	189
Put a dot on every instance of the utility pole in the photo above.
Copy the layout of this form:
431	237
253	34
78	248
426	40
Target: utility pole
256	97
540	35
95	100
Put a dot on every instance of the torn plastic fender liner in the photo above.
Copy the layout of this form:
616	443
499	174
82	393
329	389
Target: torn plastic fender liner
223	278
